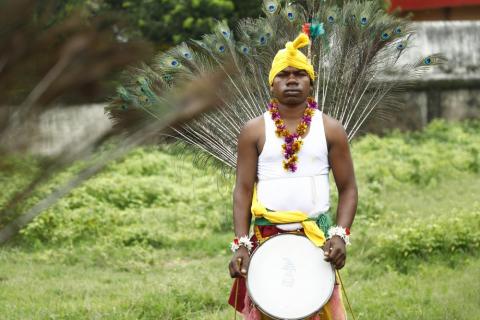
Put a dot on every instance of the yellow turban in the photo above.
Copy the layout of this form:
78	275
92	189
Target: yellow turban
292	57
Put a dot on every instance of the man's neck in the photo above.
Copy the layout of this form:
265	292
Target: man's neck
292	112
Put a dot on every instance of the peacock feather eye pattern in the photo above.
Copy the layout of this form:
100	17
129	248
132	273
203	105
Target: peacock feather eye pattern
144	99
221	47
397	30
223	29
262	40
270	6
141	81
201	44
331	19
167	77
170	62
185	52
401	45
431	60
363	21
244	49
385	36
290	13
226	34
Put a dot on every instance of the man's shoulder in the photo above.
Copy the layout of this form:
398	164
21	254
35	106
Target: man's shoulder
334	129
254	123
332	124
253	128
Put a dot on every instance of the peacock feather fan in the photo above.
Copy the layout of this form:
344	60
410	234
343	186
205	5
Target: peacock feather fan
355	50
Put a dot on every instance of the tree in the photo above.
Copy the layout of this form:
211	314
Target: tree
168	22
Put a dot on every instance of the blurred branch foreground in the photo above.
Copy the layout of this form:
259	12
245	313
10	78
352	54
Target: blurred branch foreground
39	63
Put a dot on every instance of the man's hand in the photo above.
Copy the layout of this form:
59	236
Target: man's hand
335	252
239	264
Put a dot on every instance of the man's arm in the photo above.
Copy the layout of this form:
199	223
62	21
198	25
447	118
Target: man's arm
341	163
247	157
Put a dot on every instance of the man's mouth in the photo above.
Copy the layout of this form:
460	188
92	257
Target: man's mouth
291	92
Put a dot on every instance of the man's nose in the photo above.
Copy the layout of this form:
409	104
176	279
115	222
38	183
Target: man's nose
292	80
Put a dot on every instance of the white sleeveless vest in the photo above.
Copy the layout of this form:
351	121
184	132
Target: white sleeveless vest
306	189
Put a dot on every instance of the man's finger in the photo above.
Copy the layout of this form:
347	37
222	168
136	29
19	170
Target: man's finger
333	254
337	260
244	266
240	265
231	270
327	250
341	264
234	267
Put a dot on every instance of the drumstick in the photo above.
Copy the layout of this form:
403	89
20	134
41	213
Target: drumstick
239	263
345	293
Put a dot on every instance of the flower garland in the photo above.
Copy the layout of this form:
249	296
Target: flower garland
242	241
293	141
340	231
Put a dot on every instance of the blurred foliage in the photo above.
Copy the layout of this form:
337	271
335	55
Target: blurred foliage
47	53
166	22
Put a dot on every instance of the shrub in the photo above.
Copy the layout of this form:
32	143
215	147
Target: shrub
421	239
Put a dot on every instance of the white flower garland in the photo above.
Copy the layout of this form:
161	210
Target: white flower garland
340	231
243	241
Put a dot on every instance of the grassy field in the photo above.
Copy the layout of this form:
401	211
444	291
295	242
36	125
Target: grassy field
122	245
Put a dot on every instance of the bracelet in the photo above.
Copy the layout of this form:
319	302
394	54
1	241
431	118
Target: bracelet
243	241
340	231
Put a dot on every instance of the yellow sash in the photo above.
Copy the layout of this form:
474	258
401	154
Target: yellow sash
311	229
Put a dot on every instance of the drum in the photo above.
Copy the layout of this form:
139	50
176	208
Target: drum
288	277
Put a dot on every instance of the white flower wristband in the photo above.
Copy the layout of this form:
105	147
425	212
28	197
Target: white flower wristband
340	231
243	241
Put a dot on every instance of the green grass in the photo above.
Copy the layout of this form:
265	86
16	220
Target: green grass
433	291
147	239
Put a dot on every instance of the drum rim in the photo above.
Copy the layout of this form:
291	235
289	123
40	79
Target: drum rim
257	305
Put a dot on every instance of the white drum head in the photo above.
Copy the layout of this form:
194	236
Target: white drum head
288	277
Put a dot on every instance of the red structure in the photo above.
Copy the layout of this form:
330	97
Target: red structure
439	9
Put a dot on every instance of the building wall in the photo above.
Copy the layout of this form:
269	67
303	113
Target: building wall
450	91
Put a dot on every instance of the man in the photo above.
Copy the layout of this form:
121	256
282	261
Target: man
287	154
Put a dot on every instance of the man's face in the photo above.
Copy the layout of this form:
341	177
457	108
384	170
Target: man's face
291	86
